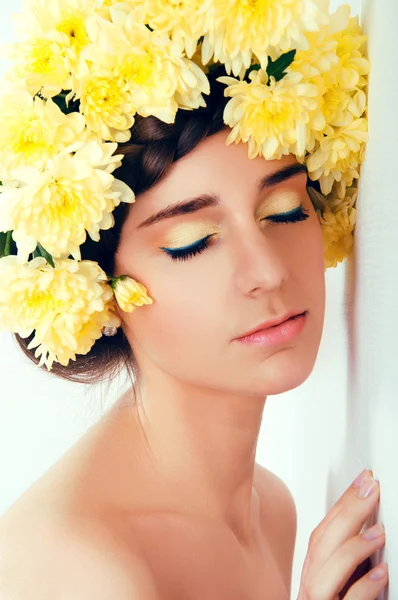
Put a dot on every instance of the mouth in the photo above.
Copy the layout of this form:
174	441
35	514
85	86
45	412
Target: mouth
282	331
269	325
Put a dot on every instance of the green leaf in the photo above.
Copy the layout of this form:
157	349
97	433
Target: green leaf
7	244
113	280
3	239
255	67
7	249
278	67
45	254
60	101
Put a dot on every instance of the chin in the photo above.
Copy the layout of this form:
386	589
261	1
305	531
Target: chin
287	370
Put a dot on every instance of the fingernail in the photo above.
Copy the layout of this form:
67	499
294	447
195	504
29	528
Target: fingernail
374	532
367	488
358	481
378	573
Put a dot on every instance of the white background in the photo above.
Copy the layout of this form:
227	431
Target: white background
318	437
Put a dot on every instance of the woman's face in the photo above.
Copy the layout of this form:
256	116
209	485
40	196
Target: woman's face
250	270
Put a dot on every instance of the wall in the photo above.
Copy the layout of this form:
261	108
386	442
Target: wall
317	437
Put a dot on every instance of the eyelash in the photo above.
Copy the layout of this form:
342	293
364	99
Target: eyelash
186	252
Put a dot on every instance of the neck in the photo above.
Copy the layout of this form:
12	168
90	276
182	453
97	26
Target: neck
202	445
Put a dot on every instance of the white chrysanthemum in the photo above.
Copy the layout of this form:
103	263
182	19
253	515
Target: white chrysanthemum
241	28
146	64
66	306
338	156
34	131
76	194
273	117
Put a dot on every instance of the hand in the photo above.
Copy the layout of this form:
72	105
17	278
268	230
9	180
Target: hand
337	560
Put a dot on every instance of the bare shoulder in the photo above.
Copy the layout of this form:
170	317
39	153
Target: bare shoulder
273	489
278	518
62	539
70	558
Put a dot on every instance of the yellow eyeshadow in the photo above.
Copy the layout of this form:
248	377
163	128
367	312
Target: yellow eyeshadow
279	202
189	233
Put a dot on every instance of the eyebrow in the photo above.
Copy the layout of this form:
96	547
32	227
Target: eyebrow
192	205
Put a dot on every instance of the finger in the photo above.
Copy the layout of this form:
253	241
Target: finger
367	588
334	574
345	526
342	502
362	569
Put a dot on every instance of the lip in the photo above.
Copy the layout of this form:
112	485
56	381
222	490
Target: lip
271	323
285	331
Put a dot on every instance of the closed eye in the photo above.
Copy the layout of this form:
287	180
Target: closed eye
292	216
187	252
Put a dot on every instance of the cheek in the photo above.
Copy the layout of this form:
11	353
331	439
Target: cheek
318	248
312	267
173	324
305	257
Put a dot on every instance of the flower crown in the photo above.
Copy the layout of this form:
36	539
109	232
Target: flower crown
82	70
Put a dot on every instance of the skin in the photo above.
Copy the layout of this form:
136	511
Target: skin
200	396
169	473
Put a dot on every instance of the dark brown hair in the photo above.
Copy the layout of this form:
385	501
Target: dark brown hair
154	146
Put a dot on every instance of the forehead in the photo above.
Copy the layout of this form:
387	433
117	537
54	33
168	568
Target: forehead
212	166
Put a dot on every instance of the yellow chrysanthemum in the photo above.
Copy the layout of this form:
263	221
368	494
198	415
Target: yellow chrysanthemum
336	51
60	21
273	117
334	105
41	65
240	28
146	64
105	6
339	110
66	16
197	59
34	131
354	66
338	223
67	306
129	293
183	20
76	194
335	63
107	107
338	156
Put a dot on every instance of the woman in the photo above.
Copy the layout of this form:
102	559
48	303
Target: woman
163	497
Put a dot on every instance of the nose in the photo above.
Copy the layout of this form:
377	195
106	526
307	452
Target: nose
259	262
